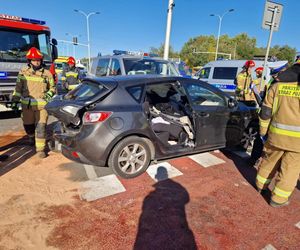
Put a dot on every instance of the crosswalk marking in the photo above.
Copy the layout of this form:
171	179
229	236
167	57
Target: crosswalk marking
298	225
90	171
101	187
162	171
206	159
269	247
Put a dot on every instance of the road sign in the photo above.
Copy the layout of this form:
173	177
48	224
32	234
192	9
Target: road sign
272	15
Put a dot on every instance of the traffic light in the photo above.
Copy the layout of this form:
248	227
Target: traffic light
75	41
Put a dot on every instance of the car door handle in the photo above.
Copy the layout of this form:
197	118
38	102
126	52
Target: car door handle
204	114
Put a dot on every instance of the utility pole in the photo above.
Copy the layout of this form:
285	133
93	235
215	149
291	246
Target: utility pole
168	29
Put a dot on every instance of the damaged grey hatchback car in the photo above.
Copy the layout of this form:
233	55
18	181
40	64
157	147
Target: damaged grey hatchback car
126	122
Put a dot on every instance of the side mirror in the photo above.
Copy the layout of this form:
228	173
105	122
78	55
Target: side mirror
54	41
232	103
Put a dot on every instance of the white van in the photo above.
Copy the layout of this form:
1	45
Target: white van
222	73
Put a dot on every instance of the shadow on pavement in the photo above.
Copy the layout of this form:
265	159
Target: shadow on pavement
9	114
244	166
17	153
163	223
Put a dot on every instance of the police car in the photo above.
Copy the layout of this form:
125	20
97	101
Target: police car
222	73
131	63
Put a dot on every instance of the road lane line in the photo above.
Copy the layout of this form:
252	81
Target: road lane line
162	171
90	171
206	159
100	187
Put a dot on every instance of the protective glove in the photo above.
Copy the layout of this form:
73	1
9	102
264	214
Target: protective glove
14	106
47	97
263	138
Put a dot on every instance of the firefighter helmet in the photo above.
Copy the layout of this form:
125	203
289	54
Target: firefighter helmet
34	53
249	64
71	60
259	69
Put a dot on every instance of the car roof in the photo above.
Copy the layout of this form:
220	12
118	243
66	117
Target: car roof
133	79
132	57
240	63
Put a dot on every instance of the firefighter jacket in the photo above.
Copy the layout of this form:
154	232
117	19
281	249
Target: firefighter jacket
279	116
255	88
243	82
70	78
34	88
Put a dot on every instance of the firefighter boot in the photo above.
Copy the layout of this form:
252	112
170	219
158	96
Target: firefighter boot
41	154
275	204
31	141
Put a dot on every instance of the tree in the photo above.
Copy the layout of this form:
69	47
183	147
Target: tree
160	51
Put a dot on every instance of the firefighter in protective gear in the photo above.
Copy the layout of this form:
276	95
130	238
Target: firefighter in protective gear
70	75
279	119
34	88
255	85
243	82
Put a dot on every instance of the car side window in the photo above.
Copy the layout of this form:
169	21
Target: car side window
201	96
135	92
115	68
102	67
227	73
204	73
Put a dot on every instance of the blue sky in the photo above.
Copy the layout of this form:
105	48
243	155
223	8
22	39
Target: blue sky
141	24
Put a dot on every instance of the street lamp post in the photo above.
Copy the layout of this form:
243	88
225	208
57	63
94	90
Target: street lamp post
219	31
88	32
168	29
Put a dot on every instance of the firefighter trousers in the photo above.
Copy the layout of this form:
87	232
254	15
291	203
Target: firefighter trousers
288	167
34	121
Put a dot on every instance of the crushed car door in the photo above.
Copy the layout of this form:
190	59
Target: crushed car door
211	114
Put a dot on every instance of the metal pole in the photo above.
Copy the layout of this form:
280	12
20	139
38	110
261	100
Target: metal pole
219	31
268	46
88	37
168	29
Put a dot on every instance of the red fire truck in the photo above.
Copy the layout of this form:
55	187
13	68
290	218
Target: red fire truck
17	35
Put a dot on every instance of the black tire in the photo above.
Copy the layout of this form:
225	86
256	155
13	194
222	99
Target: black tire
130	157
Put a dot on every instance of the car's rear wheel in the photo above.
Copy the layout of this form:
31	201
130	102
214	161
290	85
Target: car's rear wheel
130	157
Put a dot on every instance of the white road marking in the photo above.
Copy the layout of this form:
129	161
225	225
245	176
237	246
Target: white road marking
206	159
101	187
269	247
162	171
298	225
90	171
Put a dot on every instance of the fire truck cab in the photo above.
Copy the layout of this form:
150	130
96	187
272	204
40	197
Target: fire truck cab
17	36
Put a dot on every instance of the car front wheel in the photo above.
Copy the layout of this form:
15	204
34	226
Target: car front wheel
130	157
248	138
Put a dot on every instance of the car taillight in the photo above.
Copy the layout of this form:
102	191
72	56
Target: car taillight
92	117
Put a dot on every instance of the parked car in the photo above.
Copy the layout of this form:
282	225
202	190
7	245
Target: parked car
127	121
222	73
131	63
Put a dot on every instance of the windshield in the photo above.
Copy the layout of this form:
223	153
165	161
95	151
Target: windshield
149	66
14	44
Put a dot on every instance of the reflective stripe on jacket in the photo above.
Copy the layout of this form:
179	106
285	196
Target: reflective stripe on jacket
279	116
32	86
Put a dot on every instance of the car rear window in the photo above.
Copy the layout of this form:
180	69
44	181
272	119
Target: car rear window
85	91
227	73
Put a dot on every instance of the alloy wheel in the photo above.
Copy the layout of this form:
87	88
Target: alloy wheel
132	158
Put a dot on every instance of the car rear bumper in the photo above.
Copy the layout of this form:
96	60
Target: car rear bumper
83	146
